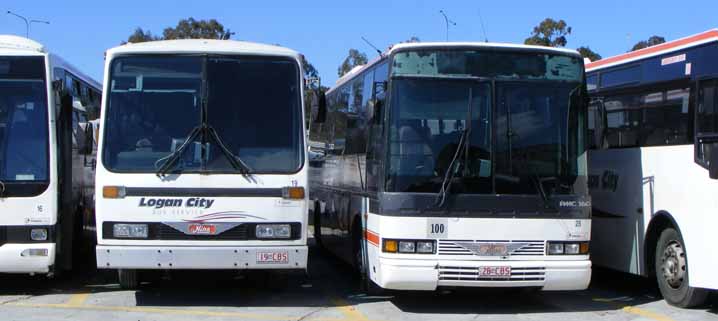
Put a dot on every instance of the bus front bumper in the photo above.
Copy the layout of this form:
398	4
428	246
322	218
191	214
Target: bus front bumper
410	274
205	257
27	258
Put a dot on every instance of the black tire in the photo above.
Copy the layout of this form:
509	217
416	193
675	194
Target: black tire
672	272
128	279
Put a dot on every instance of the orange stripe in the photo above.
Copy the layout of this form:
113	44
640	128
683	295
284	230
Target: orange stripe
372	237
647	51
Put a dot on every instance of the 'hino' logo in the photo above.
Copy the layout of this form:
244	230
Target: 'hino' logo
176	202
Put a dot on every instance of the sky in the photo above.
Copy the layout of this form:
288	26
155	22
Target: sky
80	31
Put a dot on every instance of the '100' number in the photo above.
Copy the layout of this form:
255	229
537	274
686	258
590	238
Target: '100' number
437	228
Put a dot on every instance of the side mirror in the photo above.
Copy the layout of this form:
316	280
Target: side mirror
319	107
378	90
713	165
58	85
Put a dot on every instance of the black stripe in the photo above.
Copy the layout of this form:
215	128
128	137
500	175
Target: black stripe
604	214
203	192
21	234
159	231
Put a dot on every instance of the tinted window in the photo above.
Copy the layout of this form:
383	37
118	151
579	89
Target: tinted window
621	77
707	121
648	118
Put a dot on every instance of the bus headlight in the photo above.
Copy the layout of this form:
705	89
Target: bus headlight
38	234
273	231
425	247
407	246
135	231
567	248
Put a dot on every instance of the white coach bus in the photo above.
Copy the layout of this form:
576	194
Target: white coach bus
201	162
653	169
46	157
456	165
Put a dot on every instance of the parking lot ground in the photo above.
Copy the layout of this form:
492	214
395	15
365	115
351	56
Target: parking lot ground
328	292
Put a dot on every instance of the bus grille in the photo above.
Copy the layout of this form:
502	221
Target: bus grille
516	248
459	273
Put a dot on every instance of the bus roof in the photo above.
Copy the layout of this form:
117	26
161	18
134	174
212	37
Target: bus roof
664	48
15	43
424	45
203	46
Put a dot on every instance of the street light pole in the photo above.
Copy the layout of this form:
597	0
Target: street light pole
447	21
27	22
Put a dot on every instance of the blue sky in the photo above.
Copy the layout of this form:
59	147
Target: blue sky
81	31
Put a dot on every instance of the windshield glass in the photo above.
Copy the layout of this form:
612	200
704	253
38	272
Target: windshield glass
155	102
23	120
531	133
427	119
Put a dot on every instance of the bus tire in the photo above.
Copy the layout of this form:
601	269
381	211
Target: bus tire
672	272
128	279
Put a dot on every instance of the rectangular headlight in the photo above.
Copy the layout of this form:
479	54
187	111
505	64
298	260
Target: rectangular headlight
407	247
273	231
571	248
425	247
555	248
139	231
38	234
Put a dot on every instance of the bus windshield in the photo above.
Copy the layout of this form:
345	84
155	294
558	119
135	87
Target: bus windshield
23	120
156	102
528	139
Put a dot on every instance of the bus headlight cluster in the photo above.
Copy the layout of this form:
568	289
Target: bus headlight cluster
567	248
408	246
38	234
134	231
273	231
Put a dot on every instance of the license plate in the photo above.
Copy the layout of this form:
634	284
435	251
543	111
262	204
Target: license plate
495	271
493	249
202	229
272	257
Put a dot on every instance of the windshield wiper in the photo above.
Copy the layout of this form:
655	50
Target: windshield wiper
450	171
233	159
173	157
545	197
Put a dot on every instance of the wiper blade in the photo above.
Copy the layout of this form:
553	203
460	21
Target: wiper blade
173	157
450	171
545	197
233	159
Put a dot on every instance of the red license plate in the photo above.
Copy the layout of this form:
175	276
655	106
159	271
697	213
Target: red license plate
202	229
495	271
273	257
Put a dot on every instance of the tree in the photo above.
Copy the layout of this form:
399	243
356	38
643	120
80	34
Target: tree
194	29
309	70
586	52
413	39
355	58
140	36
186	29
652	41
549	33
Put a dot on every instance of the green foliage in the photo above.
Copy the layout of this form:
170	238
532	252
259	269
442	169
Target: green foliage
355	58
186	29
586	52
652	41
309	70
549	33
413	39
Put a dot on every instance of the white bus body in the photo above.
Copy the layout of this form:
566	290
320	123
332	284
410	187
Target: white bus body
201	213
375	187
43	145
649	165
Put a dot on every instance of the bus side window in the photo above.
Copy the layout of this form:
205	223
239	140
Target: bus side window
707	122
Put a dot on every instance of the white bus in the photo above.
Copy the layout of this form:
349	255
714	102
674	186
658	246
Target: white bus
201	162
654	117
456	165
46	157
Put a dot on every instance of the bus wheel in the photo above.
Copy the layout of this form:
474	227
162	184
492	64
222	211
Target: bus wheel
672	272
128	279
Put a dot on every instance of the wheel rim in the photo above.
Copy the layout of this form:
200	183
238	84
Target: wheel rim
673	264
